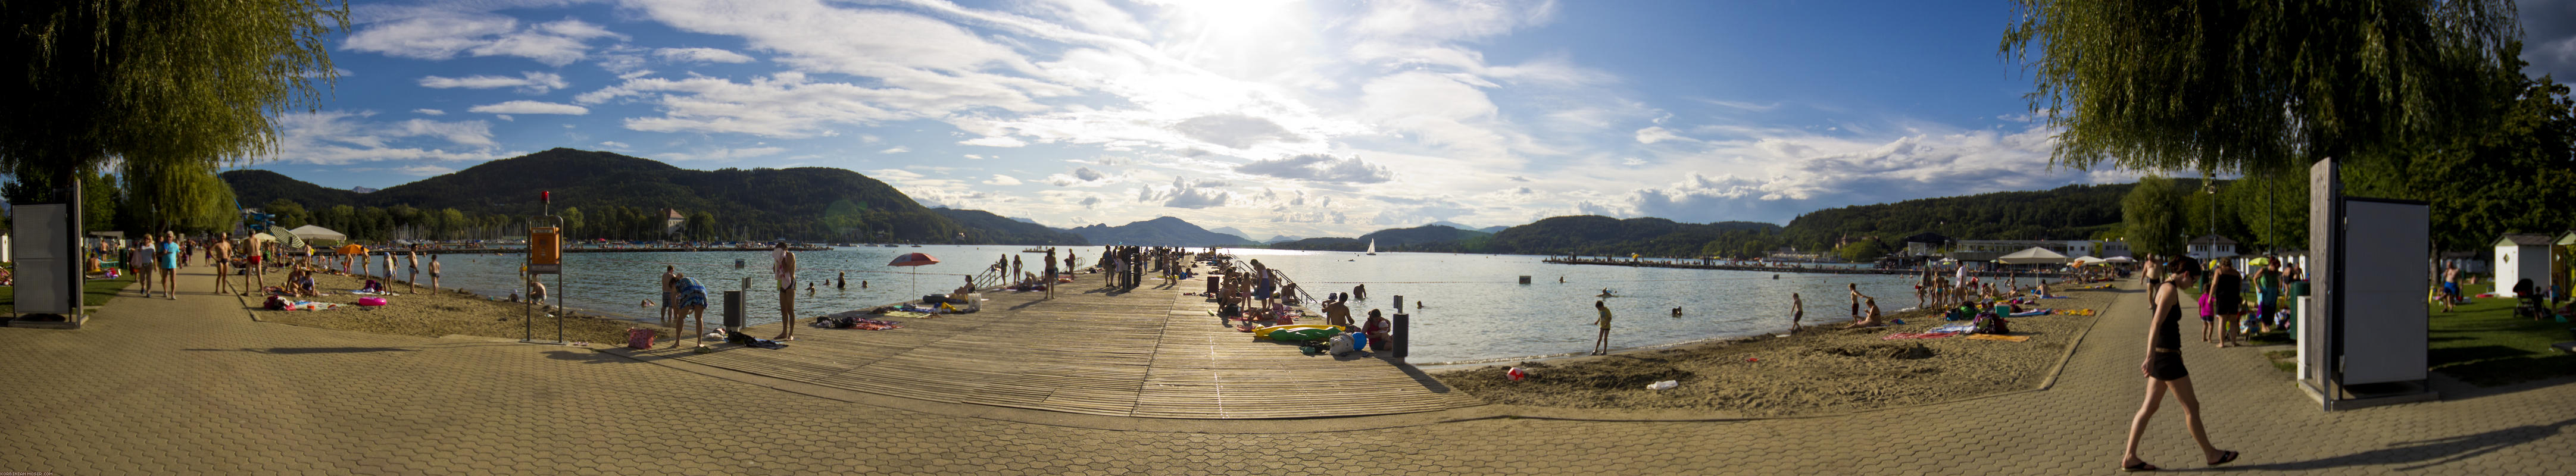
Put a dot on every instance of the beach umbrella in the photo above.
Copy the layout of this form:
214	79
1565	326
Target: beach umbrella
914	259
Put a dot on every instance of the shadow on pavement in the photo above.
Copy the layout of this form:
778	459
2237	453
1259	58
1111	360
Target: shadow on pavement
585	356
2427	453
346	350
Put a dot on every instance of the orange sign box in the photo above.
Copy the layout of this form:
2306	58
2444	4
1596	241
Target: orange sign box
545	245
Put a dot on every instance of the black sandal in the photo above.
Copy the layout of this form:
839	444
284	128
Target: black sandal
2225	457
2141	466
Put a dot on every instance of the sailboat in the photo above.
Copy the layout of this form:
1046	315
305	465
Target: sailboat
1372	247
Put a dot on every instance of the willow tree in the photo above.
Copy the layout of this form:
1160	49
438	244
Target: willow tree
2239	86
188	84
2152	216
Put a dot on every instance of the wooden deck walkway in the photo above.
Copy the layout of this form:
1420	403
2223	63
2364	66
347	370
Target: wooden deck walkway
1146	353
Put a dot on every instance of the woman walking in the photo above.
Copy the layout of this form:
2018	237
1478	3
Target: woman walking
2165	372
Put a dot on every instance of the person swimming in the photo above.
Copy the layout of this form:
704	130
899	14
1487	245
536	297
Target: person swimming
1605	292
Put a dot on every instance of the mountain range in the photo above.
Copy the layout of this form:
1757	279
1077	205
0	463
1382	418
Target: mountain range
621	197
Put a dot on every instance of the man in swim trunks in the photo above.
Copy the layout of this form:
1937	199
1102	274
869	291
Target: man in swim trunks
1855	299
257	248
222	248
1797	311
412	285
433	273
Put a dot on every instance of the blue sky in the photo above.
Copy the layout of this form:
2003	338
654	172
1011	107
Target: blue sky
1273	117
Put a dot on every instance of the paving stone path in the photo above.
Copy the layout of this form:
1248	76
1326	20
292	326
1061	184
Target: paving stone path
193	386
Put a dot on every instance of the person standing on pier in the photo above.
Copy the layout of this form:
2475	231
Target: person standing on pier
782	265
1600	345
1050	273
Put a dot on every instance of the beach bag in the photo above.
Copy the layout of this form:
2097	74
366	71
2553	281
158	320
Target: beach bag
1341	344
639	339
371	301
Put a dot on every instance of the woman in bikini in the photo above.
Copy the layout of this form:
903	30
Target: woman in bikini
2165	372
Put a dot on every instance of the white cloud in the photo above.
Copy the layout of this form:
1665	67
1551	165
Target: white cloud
423	170
1801	173
614	144
439	35
895	150
343	137
1656	134
1319	168
1186	193
701	55
725	154
1083	177
531	82
999	179
994	142
530	107
781	105
430	112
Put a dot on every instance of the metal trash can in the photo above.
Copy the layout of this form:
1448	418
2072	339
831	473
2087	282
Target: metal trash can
1396	336
733	309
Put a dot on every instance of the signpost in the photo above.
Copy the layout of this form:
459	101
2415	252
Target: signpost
544	256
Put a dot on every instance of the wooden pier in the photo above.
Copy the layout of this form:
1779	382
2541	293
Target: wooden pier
1150	352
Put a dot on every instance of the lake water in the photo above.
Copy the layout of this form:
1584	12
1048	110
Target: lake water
1472	306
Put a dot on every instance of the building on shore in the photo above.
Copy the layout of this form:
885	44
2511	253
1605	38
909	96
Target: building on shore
1988	250
2520	256
2209	247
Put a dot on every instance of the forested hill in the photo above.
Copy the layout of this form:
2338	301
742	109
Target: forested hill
986	227
2072	212
254	187
1162	231
613	196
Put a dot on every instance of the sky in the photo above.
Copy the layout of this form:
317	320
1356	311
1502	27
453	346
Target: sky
1303	119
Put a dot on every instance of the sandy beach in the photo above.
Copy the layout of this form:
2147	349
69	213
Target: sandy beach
1821	370
438	314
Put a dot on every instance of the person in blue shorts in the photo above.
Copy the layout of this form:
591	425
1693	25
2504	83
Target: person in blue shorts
169	265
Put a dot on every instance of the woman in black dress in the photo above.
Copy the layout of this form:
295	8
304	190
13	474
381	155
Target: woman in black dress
2165	371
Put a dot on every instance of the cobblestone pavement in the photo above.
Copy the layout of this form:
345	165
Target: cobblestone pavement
194	387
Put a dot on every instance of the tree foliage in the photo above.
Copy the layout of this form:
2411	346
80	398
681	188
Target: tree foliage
2152	216
157	84
2239	86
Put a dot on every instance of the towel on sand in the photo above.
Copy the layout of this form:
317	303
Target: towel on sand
1925	335
1954	328
906	314
2004	338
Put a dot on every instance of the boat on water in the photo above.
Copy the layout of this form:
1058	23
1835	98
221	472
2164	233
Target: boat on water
1372	247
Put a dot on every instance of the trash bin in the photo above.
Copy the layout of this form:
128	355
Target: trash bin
733	309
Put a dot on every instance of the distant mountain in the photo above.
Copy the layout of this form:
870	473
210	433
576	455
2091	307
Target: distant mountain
1231	231
362	190
1023	220
985	227
1439	238
1280	238
1322	244
618	195
1164	231
1493	229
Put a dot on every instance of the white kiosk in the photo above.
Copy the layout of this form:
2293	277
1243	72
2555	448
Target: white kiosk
2364	341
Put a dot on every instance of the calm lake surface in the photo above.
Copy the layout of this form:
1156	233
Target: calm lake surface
1471	306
